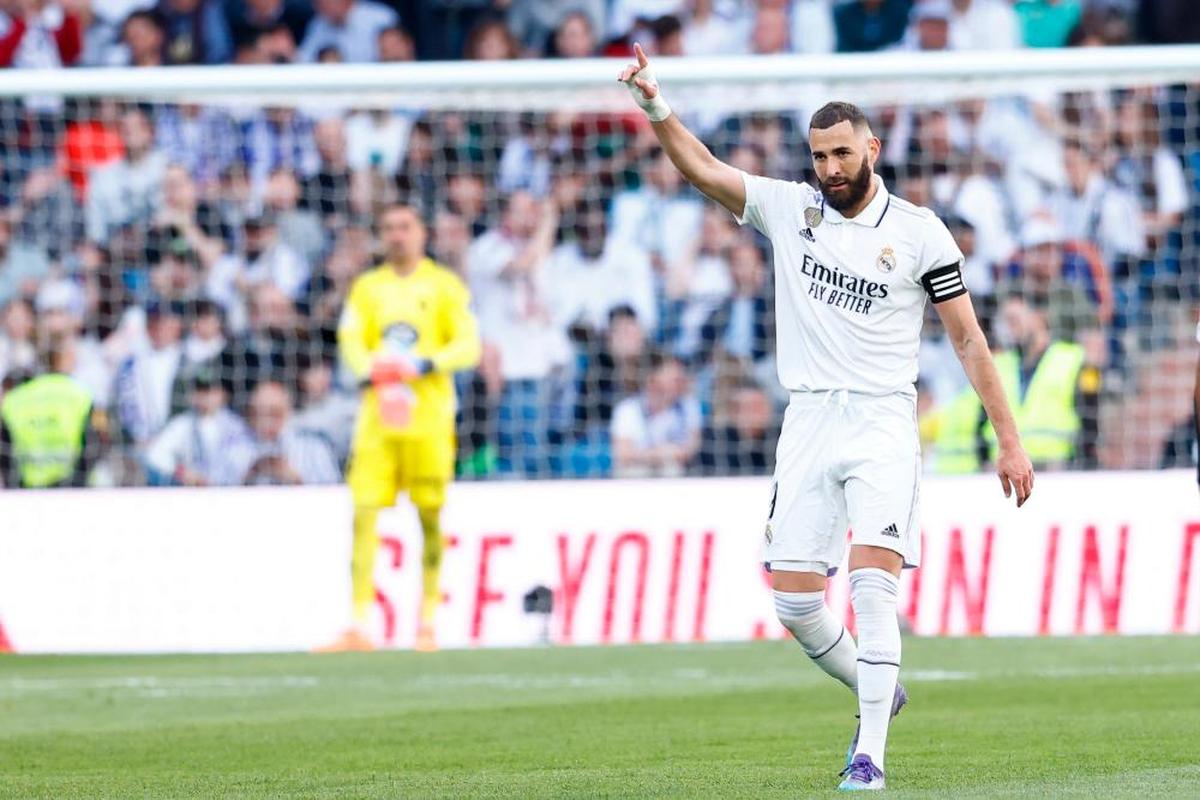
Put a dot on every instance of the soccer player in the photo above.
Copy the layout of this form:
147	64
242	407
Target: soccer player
405	328
854	266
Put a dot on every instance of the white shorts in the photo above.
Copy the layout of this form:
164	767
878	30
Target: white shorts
844	460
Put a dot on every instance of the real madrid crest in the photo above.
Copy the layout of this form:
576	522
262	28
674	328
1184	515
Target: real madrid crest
886	260
812	216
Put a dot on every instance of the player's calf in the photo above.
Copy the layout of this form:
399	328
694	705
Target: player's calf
820	634
873	593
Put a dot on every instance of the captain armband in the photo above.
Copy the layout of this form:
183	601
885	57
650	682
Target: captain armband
944	283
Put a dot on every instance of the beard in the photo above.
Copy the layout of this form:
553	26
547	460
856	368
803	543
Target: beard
850	191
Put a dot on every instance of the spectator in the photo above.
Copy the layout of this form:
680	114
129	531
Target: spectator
22	266
60	305
1053	277
377	139
867	25
328	190
450	242
276	45
1053	390
490	40
624	14
771	34
657	432
528	156
418	181
574	37
145	382
984	25
663	217
700	282
47	439
322	302
743	325
201	138
352	26
812	28
128	191
280	453
744	443
185	217
265	261
43	212
175	274
196	32
1169	21
98	34
615	369
929	26
593	274
272	349
278	138
533	22
199	447
395	45
712	29
248	19
17	328
1094	210
325	413
1149	170
201	347
1047	23
143	42
668	35
300	227
39	34
466	196
507	271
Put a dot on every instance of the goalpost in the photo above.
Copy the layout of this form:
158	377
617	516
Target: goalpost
138	195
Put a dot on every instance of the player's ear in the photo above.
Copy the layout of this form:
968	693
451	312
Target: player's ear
874	146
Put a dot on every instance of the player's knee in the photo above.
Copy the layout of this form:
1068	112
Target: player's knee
873	590
800	612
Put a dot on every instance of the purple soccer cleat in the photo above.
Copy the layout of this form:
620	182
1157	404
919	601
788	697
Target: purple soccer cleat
899	701
862	776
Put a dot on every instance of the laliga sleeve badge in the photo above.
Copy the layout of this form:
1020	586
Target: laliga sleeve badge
886	260
813	216
768	533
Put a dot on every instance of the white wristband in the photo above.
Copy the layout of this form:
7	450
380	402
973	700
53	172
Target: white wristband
656	107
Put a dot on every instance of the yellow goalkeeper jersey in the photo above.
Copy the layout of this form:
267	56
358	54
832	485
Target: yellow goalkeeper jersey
425	314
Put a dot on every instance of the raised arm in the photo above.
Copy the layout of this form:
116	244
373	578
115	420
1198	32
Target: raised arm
694	161
1012	464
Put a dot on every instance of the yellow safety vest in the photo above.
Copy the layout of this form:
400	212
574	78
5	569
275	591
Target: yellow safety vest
956	443
1046	417
46	419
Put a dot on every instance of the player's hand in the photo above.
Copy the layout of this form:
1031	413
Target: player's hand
644	87
391	368
1016	473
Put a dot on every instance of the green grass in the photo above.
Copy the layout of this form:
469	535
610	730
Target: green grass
1082	718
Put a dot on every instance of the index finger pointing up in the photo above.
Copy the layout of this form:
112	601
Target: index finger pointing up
641	55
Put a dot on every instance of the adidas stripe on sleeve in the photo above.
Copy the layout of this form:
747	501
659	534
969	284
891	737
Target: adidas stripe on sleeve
944	283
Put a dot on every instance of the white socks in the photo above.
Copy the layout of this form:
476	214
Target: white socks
873	594
823	638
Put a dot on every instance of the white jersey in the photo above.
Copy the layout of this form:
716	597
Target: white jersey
850	293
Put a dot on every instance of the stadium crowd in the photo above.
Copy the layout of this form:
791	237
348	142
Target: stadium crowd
186	265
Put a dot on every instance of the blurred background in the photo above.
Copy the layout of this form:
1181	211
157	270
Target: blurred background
187	260
169	242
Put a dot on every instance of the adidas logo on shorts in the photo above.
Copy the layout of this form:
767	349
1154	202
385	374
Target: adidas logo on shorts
890	530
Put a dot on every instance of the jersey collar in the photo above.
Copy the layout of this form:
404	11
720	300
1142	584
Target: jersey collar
869	217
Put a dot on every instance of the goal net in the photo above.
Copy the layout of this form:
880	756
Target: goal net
181	242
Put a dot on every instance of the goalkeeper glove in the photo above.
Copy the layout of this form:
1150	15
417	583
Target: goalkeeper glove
391	368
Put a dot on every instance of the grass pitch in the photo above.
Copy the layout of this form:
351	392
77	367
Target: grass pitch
1084	718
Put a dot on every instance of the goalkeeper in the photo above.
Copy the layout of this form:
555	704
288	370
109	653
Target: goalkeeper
405	328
